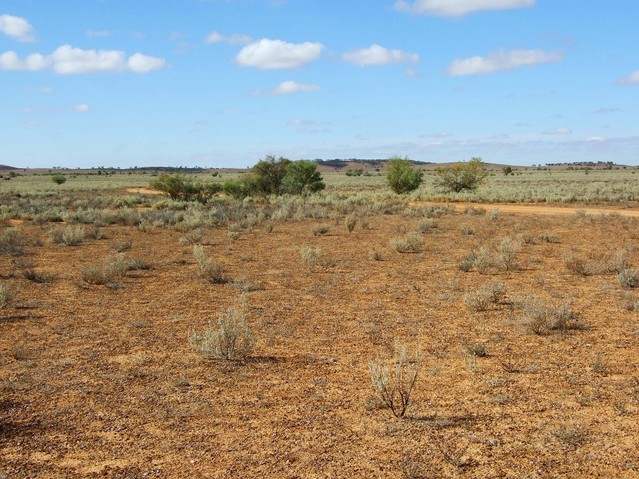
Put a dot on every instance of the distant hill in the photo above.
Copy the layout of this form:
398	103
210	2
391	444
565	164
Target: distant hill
6	167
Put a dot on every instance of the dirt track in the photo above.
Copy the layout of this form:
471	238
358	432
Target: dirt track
524	209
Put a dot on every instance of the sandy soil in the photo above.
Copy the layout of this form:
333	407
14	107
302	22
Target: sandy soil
102	382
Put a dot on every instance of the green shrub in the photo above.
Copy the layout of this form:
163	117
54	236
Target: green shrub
185	188
401	177
58	179
231	340
462	176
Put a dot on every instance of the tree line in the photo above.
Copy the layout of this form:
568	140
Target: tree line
281	176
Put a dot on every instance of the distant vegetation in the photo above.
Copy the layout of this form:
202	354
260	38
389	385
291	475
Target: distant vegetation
401	176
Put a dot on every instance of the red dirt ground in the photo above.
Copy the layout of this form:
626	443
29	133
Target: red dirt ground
100	382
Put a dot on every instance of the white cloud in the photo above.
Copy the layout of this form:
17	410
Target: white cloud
67	60
139	63
82	107
268	54
457	8
17	27
34	62
290	86
558	131
502	60
632	79
378	55
234	39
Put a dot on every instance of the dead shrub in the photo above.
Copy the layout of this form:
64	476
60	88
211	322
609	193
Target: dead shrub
394	380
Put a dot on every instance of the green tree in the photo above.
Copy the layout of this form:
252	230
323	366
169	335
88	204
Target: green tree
507	170
302	177
182	187
401	176
269	174
58	178
462	176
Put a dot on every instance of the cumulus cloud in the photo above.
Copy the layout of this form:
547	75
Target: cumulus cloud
268	54
17	27
139	63
34	62
502	60
457	8
632	79
82	107
234	39
378	55
67	60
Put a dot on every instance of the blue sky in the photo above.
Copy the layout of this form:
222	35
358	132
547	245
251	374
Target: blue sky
221	83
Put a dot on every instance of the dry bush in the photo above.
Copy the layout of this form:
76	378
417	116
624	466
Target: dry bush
612	263
486	295
311	257
6	295
484	261
34	276
544	318
12	242
320	230
628	278
549	237
232	339
412	243
350	222
210	270
69	236
506	254
426	226
108	273
192	237
394	380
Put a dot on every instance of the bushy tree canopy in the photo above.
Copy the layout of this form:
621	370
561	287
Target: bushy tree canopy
272	176
182	187
401	176
462	176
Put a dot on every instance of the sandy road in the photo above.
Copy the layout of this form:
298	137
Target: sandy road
525	209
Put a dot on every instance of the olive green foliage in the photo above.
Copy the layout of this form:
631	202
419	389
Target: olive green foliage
462	176
302	177
58	179
401	176
269	174
240	189
277	176
182	187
